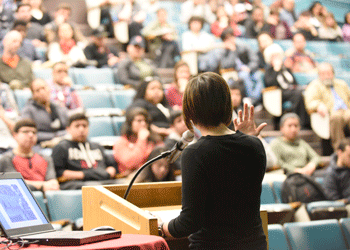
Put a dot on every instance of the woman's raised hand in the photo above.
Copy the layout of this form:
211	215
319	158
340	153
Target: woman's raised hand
245	121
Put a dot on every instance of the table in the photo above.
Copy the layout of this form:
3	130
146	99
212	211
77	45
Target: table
126	242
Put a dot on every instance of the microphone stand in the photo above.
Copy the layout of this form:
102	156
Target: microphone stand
162	155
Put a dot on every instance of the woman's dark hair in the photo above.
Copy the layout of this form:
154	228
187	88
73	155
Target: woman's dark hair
141	90
345	21
313	5
195	18
129	118
148	175
207	101
178	65
24	123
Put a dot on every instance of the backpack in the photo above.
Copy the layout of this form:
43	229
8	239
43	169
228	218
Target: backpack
299	187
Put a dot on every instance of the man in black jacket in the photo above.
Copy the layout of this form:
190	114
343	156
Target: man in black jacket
79	162
337	179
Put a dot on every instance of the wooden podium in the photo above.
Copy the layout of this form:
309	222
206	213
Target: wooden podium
104	206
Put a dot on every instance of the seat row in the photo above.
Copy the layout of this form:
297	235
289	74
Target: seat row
92	99
312	235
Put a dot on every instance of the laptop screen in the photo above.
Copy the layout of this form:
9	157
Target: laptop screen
19	211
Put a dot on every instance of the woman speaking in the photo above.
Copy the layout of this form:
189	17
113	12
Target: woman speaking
221	173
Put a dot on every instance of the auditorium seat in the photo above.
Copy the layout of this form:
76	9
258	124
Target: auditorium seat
345	226
277	238
122	98
267	196
319	210
65	204
22	96
40	199
276	186
304	79
315	235
101	130
118	123
94	77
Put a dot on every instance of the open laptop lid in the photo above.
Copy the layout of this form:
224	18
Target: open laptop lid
20	213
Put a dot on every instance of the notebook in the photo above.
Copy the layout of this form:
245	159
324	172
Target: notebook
22	218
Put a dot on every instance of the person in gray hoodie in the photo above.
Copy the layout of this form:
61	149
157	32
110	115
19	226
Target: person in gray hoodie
51	118
337	179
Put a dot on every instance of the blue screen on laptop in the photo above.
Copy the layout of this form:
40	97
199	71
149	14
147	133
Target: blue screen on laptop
17	206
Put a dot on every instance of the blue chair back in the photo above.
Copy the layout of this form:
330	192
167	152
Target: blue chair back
22	96
40	199
277	186
95	98
277	238
101	126
315	235
267	196
93	77
65	204
122	98
118	123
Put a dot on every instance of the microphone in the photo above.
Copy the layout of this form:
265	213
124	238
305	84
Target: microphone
176	151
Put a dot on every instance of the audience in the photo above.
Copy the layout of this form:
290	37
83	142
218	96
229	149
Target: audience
62	90
150	96
346	28
178	127
327	95
175	91
223	21
304	26
79	162
264	41
298	58
330	30
256	24
292	152
67	48
277	75
244	60
35	31
37	170
39	14
98	51
337	176
137	141
135	67
7	13
160	170
161	36
287	12
278	29
317	12
51	119
14	70
197	8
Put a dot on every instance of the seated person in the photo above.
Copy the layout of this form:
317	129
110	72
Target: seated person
135	68
37	170
159	170
277	75
223	21
199	8
327	95
179	127
346	28
137	141
39	15
287	12
50	118
256	24
62	91
293	153
278	29
66	48
175	90
304	26
14	70
197	39
337	176
264	41
97	50
330	30
79	162
298	58
161	36
150	96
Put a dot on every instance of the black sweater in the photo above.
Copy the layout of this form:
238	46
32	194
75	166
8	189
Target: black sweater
221	187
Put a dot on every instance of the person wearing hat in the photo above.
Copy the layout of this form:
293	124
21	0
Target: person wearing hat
133	69
98	51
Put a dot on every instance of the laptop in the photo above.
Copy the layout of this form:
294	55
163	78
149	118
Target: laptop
21	218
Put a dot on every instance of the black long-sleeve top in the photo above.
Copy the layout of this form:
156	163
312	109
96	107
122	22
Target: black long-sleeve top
221	188
283	78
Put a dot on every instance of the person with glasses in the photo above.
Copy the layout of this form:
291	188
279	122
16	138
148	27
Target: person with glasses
62	90
37	169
